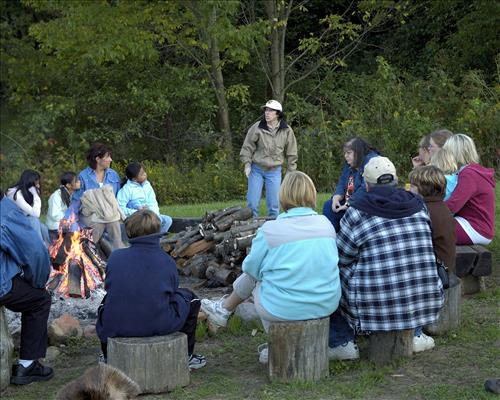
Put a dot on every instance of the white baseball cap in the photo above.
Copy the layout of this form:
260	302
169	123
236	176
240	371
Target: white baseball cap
275	105
379	170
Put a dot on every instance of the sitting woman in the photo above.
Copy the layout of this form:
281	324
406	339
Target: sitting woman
291	270
351	184
473	200
27	193
143	295
444	160
429	145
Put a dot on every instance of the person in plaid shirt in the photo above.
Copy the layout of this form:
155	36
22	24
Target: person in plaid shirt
387	264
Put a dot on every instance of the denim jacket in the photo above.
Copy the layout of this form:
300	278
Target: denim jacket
359	182
21	250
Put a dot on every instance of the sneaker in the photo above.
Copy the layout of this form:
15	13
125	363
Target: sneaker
196	361
422	343
263	350
215	311
101	359
34	373
346	351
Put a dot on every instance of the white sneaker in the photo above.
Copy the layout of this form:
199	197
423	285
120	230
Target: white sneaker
347	351
263	350
215	311
422	343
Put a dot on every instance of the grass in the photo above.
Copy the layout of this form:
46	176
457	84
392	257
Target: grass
456	369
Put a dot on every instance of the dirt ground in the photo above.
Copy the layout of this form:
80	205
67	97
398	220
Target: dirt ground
455	369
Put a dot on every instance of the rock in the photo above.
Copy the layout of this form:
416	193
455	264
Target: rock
89	331
62	328
52	353
246	311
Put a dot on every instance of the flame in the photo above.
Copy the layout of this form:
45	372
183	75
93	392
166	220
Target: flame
90	276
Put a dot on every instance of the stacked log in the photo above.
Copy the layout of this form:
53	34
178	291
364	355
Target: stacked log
215	248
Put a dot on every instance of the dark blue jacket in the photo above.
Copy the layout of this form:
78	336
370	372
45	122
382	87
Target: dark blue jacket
21	249
143	296
359	182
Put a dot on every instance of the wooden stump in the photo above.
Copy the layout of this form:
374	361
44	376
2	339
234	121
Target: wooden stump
471	284
6	349
157	364
298	350
384	347
449	316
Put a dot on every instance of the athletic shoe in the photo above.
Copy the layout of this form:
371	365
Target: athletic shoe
215	311
34	373
346	351
101	359
196	361
422	343
263	353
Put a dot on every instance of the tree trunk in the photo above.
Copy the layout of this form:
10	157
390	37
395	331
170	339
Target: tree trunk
157	364
384	347
298	350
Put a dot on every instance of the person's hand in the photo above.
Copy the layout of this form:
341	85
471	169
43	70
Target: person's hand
336	203
417	162
342	208
248	169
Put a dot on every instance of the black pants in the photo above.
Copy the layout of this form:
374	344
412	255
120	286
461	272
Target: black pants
34	304
189	327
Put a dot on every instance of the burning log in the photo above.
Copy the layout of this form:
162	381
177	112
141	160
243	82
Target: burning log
215	248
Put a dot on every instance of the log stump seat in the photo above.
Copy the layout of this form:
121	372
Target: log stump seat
6	351
157	364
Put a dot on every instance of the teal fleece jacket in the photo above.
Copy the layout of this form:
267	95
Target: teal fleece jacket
295	258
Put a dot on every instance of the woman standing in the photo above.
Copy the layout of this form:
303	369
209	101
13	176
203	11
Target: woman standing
267	144
473	200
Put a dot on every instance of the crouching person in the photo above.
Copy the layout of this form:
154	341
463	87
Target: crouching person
143	295
291	270
24	270
387	264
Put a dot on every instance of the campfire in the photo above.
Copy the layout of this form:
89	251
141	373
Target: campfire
77	266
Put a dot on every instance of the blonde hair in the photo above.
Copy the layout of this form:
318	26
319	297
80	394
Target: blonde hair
142	223
429	180
297	190
444	160
463	149
440	136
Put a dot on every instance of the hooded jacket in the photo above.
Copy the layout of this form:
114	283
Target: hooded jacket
387	264
474	198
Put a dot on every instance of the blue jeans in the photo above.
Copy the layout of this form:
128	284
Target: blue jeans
272	180
340	331
418	331
166	222
334	217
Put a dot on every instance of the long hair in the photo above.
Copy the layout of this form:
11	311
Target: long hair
97	150
66	178
28	179
361	148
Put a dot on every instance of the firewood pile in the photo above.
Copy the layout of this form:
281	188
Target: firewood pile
214	249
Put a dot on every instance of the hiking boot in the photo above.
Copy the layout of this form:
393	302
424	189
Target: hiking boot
34	373
263	350
422	343
196	361
215	311
346	351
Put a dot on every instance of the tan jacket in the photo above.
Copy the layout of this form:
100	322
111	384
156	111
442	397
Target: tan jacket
267	149
100	205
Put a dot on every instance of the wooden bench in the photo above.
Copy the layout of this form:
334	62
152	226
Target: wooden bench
472	264
298	350
6	351
157	364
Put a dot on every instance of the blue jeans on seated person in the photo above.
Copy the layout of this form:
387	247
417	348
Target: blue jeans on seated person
272	180
418	331
166	222
340	331
334	217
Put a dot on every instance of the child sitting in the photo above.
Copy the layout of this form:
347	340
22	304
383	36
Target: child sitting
137	193
444	160
143	295
59	202
430	183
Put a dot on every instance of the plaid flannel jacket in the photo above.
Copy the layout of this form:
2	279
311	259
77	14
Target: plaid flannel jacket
388	272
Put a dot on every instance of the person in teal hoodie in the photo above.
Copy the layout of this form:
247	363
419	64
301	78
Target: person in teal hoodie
291	270
137	193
